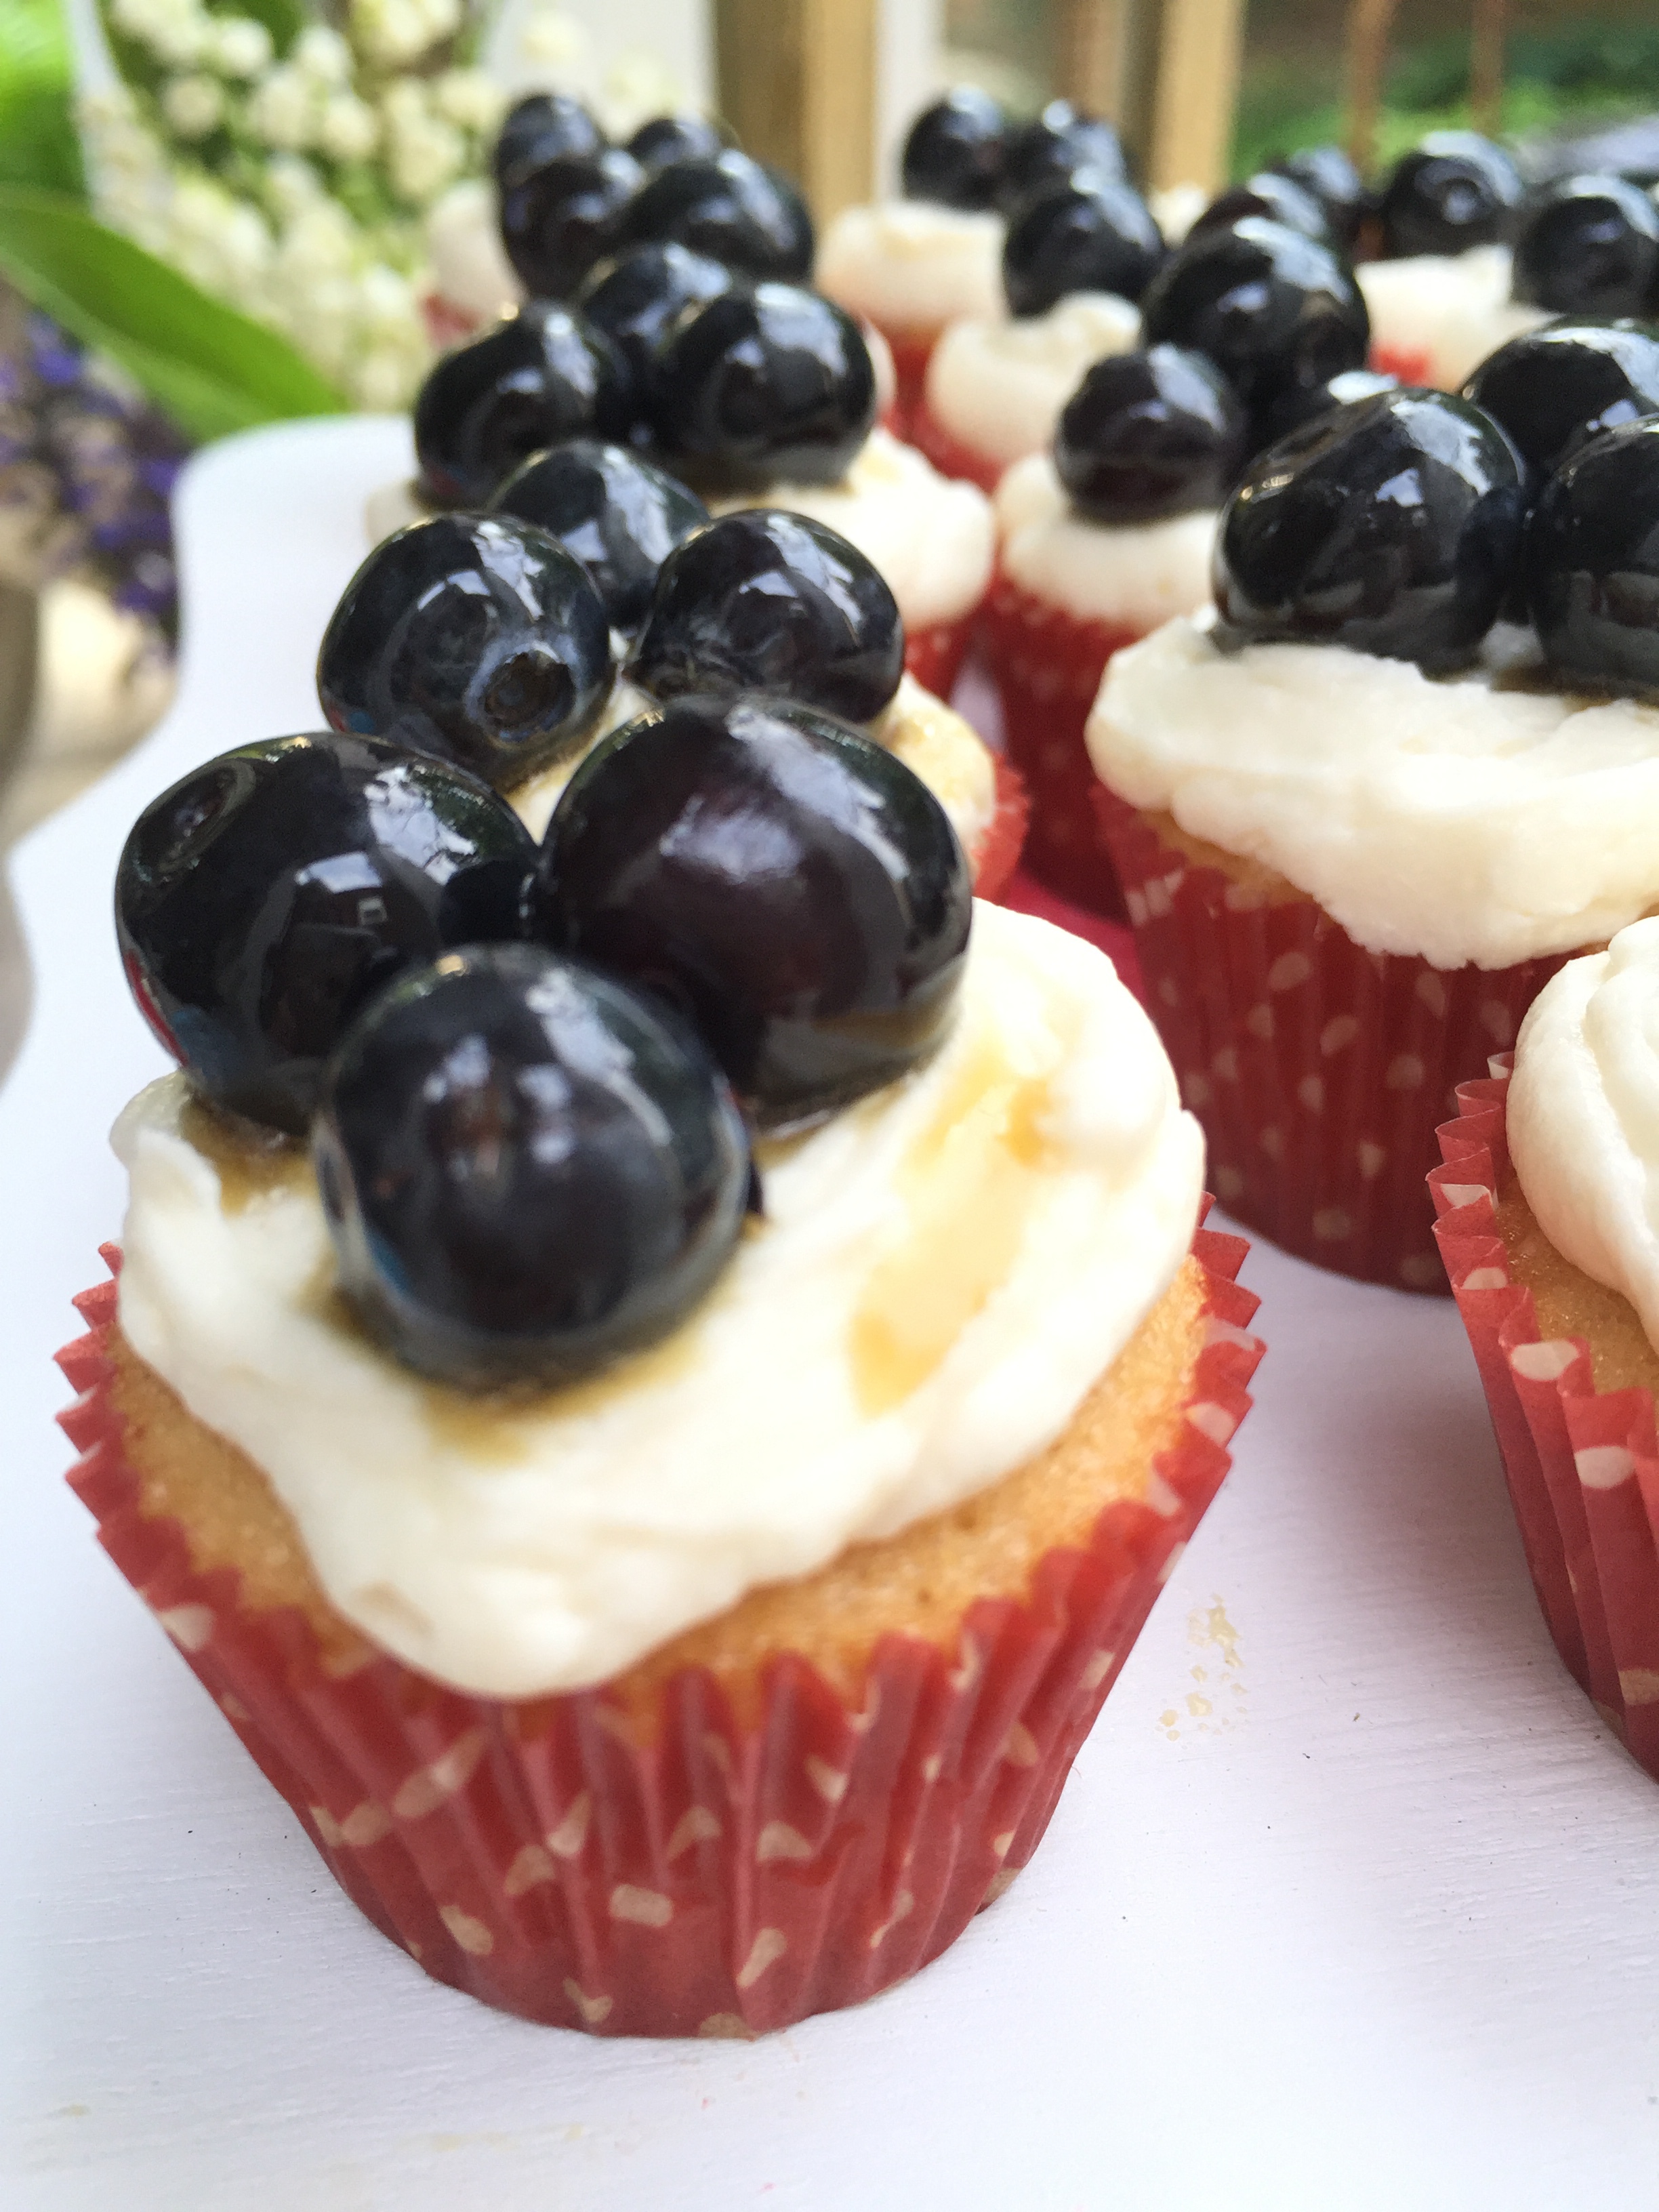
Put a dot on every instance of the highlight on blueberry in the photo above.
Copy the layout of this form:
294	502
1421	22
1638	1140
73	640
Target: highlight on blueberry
1552	389
615	513
955	151
1088	231
1592	564
559	217
1149	435
731	209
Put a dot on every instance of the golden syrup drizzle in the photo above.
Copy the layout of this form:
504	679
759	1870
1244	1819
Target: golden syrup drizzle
251	1162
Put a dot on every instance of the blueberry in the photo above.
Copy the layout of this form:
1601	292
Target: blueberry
475	638
1332	178
1270	308
728	207
1280	199
1588	245
1302	403
1552	389
1592	561
760	386
620	517
1149	435
560	217
682	137
1454	190
1056	145
638	296
535	377
545	127
1391	526
1088	232
766	601
270	894
527	1170
795	888
954	153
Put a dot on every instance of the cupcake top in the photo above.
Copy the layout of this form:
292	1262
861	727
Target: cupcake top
1437	315
1135	574
913	265
998	386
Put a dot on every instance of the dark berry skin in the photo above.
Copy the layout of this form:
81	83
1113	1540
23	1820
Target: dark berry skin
1303	403
1270	308
474	638
1332	178
667	138
536	377
1089	233
636	297
731	209
763	386
955	151
1056	145
270	894
1391	527
794	887
1588	245
1454	190
544	127
616	514
768	601
1592	562
1280	199
1552	390
1149	435
561	217
527	1169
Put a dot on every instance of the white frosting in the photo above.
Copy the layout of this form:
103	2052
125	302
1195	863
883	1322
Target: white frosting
1583	1116
998	1222
998	386
463	246
391	507
1177	208
1454	308
1138	574
913	266
931	537
1451	818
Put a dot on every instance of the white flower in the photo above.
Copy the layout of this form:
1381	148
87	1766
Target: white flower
390	31
241	46
426	155
469	98
553	40
638	85
292	183
349	129
193	105
280	111
323	56
385	380
177	31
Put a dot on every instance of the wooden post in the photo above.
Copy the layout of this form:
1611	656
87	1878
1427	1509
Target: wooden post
1198	59
798	85
1091	39
1369	24
1489	21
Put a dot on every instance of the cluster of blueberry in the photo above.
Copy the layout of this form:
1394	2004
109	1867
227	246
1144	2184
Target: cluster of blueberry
530	1073
666	312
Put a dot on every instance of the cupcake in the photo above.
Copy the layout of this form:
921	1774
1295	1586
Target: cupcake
1353	852
880	1207
1097	544
1548	1237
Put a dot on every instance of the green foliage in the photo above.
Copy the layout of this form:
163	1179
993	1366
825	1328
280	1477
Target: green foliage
38	142
207	367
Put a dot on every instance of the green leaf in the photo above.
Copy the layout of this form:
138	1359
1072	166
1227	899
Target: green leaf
38	142
213	370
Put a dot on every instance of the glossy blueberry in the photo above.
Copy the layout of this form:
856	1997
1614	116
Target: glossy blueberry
1454	190
1588	245
1592	562
637	297
681	137
1302	403
1056	145
1149	435
733	209
763	386
1328	173
268	894
535	377
768	601
1552	389
1280	199
1089	233
560	217
545	127
527	1169
1391	527
795	888
620	517
476	638
1270	308
955	150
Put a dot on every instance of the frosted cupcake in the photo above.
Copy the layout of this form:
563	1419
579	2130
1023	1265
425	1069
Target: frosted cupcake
1098	544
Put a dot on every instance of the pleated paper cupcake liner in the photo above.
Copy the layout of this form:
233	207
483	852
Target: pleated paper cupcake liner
1318	1070
934	655
1047	664
1000	853
948	454
1410	364
688	1872
1582	1464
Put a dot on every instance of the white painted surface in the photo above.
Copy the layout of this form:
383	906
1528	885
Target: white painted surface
1381	1931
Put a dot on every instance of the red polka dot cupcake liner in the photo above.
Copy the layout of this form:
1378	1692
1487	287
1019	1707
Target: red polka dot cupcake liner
1318	1070
1000	853
911	355
1582	1464
1410	364
717	1879
934	655
949	455
1047	664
